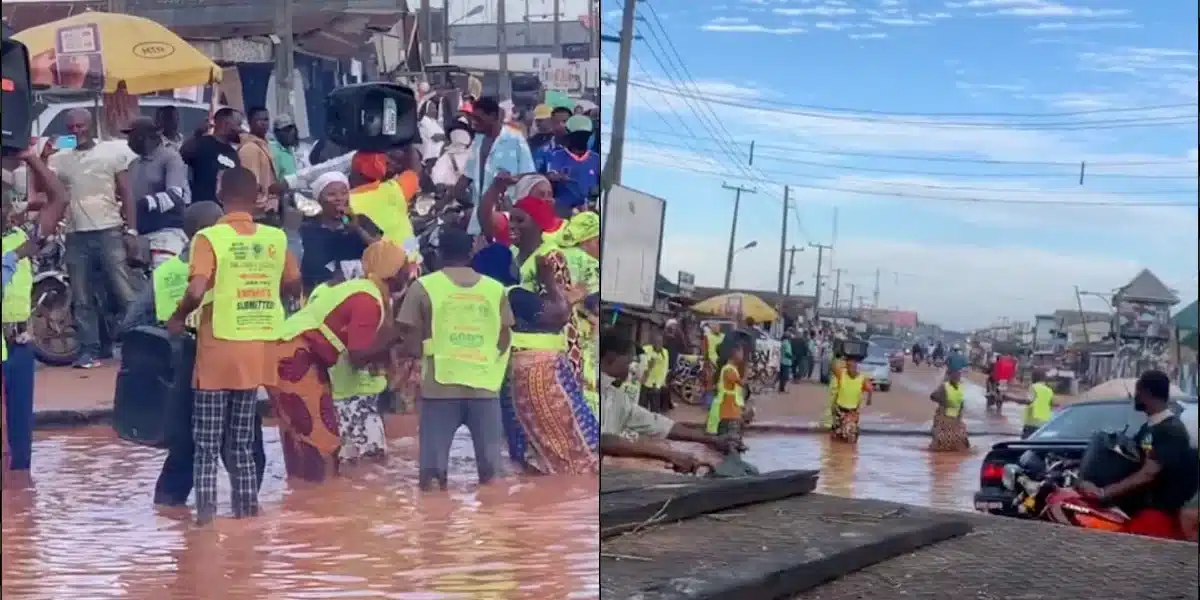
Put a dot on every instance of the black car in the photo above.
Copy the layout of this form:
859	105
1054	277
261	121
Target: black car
1066	435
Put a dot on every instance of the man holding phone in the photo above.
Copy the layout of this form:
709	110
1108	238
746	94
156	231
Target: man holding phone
101	227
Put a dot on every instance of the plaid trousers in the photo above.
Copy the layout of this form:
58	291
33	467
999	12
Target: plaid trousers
225	417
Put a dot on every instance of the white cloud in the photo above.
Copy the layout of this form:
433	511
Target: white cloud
956	286
1041	8
728	21
818	11
1063	26
899	21
752	28
830	26
868	36
990	87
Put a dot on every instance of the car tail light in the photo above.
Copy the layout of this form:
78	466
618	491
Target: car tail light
991	473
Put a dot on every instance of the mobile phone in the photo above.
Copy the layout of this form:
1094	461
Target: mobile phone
66	142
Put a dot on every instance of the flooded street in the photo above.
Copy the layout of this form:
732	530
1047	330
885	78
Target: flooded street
87	528
896	468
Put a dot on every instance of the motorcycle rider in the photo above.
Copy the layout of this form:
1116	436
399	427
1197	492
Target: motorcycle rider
917	352
1168	475
939	352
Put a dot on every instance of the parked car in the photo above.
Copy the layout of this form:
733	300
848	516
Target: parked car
1066	436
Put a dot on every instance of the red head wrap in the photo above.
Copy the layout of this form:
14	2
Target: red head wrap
541	211
370	165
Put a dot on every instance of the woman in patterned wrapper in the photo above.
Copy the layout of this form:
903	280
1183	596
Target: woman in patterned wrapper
336	330
548	423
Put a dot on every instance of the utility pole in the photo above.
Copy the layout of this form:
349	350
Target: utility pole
783	241
876	300
502	48
791	268
284	56
426	30
837	290
1082	316
820	263
557	31
616	140
853	288
833	240
446	32
737	205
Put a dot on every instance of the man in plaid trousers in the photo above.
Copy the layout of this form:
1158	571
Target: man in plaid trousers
239	274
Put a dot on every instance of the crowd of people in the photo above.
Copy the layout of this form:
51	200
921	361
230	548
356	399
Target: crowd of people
489	323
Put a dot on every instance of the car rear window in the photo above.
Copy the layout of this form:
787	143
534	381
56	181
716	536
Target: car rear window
1081	421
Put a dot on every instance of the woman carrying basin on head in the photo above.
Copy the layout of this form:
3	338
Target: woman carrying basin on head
949	431
325	348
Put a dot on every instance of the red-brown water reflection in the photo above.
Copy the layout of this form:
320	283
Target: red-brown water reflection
86	528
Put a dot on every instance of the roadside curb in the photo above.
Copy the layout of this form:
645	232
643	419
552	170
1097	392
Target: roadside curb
62	419
814	428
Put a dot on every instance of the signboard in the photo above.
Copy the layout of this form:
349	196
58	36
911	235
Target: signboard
560	74
631	249
576	51
1145	320
687	284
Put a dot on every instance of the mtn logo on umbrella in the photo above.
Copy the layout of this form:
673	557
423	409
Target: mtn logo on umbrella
153	50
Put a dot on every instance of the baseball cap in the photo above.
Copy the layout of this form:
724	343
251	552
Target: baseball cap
140	124
283	122
542	111
579	123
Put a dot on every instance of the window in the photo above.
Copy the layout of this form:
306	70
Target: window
1081	421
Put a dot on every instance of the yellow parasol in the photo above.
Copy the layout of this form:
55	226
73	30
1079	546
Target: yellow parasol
737	305
98	51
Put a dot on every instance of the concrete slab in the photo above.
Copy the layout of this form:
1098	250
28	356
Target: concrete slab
1010	559
766	551
687	497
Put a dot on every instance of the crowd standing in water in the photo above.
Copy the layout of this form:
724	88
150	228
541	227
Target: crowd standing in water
492	323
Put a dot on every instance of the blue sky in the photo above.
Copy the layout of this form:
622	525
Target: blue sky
773	71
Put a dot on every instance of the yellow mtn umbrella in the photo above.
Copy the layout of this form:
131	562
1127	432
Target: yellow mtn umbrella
98	51
737	305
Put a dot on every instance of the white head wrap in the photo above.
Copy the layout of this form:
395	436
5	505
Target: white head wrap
325	180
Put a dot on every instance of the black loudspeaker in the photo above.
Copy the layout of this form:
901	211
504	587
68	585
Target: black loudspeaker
17	117
153	402
372	116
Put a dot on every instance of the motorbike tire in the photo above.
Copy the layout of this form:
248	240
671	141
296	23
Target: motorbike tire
52	321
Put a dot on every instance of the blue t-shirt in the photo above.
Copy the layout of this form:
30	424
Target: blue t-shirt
583	173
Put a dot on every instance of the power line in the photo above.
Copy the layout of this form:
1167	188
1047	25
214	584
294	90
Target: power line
944	159
929	119
971	188
959	199
1072	175
678	73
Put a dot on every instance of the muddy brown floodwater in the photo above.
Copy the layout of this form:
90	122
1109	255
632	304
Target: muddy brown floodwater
86	528
885	467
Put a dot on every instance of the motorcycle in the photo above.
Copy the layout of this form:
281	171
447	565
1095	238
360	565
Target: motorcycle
52	322
1044	489
996	391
